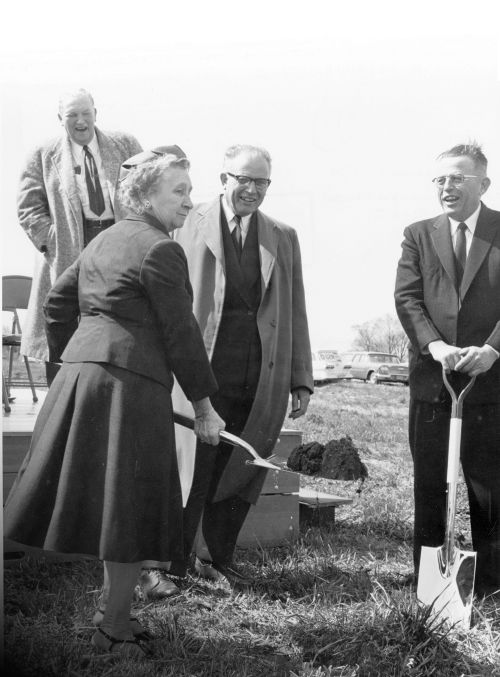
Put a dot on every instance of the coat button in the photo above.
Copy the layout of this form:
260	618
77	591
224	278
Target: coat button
249	312
271	365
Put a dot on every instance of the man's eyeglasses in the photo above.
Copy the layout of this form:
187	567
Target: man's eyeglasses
454	179
243	180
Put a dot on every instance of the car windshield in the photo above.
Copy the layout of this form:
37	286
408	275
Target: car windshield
391	359
328	355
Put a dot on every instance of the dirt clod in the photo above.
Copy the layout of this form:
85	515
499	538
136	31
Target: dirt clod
306	458
336	460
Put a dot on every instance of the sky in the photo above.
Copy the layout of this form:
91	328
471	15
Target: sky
353	100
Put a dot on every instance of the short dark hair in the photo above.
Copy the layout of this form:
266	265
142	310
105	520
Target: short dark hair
471	150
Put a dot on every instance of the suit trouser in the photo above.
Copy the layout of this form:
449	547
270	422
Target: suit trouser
222	521
480	456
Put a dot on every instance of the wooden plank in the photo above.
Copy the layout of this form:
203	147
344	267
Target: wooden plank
15	449
317	508
272	521
22	416
279	482
312	516
287	441
314	498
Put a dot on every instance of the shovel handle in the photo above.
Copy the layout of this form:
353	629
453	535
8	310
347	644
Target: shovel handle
188	422
452	468
457	399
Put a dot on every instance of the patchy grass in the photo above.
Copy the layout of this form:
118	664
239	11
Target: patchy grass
331	603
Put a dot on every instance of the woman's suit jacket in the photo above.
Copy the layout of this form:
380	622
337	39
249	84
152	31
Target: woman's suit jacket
131	289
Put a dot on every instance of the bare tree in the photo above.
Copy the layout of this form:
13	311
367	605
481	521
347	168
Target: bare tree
383	334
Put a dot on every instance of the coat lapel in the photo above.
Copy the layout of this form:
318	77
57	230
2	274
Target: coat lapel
111	161
487	229
209	229
268	247
441	237
62	160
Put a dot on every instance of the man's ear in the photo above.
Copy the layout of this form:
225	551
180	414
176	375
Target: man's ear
223	178
485	184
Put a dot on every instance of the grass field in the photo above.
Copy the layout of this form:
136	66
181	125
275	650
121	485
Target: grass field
331	603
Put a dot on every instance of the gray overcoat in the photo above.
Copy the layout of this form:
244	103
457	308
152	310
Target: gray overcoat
281	320
50	212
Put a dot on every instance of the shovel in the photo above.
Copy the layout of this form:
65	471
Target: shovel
446	575
235	441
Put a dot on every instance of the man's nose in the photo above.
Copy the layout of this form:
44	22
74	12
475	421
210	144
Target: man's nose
251	187
448	182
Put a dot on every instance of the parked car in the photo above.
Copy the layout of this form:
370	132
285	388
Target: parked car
346	361
378	367
326	365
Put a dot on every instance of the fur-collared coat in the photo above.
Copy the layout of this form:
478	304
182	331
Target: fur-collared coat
50	212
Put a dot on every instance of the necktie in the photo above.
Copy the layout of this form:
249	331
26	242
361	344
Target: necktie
236	235
460	251
96	198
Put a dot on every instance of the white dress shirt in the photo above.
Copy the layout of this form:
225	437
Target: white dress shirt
471	224
244	223
79	161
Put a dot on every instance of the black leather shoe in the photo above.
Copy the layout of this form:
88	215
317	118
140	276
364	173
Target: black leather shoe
219	574
156	585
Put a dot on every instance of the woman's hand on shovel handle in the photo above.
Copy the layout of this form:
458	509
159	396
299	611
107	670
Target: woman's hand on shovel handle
207	422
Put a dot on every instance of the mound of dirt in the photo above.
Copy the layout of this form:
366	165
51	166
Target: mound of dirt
341	461
336	460
306	458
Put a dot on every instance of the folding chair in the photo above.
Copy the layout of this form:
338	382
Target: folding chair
15	296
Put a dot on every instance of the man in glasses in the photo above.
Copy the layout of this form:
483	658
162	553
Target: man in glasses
448	300
246	273
66	197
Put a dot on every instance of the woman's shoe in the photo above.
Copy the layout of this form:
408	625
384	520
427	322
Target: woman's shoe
130	648
156	585
140	633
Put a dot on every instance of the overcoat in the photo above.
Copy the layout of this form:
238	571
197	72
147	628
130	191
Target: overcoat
50	212
430	307
282	325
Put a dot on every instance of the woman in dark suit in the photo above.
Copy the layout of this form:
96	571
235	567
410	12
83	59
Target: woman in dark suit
101	475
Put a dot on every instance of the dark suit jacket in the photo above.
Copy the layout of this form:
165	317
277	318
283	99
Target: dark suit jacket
430	308
131	289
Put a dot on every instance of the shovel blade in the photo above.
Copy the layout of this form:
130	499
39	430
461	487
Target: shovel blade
449	594
263	463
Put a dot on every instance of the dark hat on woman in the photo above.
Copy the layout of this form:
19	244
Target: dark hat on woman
148	155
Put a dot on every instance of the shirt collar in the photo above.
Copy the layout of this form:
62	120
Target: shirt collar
77	150
471	222
228	211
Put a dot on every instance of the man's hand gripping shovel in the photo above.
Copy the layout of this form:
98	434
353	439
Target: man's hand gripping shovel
446	574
